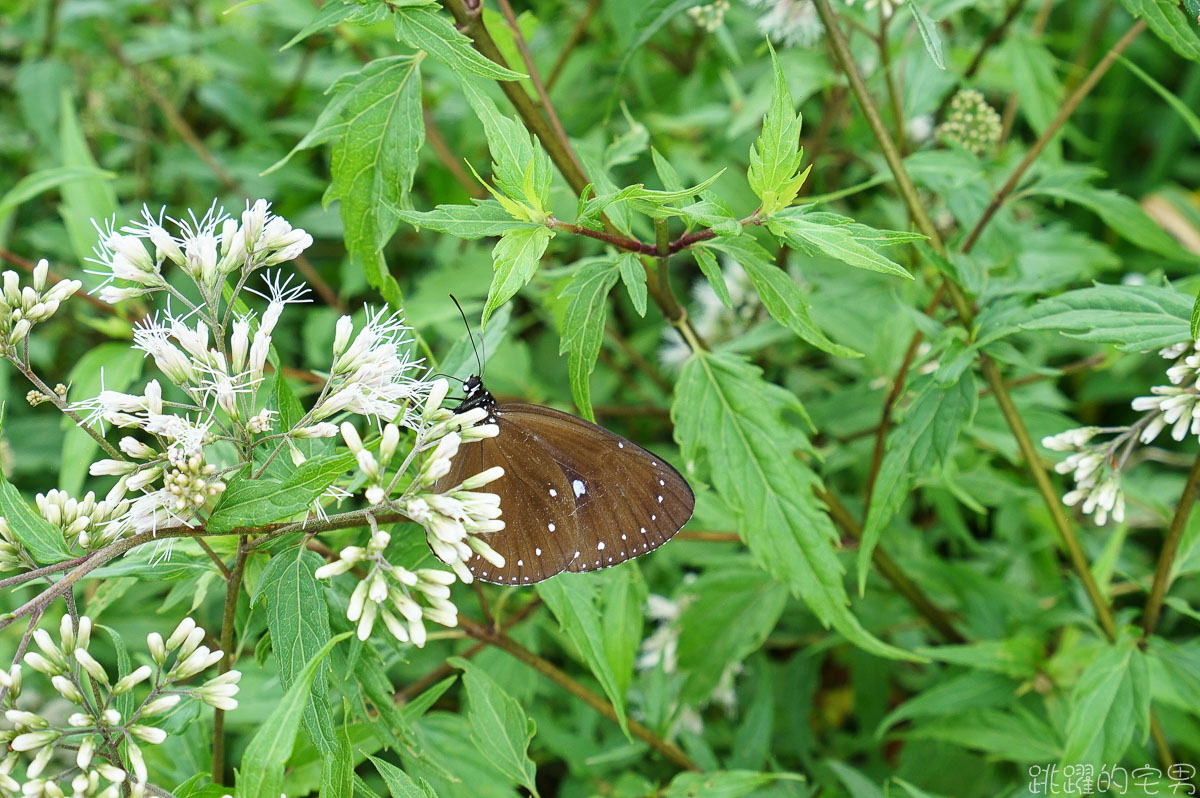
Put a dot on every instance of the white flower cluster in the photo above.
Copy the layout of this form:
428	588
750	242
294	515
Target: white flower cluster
709	17
1096	467
789	22
972	123
91	737
208	249
454	521
23	307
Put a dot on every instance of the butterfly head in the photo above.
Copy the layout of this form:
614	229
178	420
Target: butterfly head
477	396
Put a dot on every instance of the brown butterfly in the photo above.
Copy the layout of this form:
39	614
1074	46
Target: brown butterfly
574	496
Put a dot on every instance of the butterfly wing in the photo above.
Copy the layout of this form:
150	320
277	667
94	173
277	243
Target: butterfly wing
538	539
628	501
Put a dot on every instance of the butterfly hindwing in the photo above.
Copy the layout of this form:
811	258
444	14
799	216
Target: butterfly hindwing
535	499
628	501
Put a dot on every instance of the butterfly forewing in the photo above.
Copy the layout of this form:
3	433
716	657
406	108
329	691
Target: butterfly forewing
628	501
574	496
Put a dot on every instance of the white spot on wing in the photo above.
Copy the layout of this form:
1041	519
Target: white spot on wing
550	527
553	493
620	445
660	499
520	562
653	517
643	530
578	487
538	552
600	546
660	482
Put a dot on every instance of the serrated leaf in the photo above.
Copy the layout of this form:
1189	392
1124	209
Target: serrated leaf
254	502
399	783
923	441
334	13
377	128
778	292
425	29
726	414
1014	734
298	620
583	326
712	272
484	218
113	366
929	34
841	242
634	277
976	689
573	602
1134	318
515	259
1169	23
261	772
775	157
499	727
520	167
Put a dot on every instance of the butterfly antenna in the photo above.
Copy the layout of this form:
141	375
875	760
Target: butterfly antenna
467	324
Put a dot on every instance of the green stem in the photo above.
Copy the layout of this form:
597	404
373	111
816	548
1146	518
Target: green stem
228	618
1170	547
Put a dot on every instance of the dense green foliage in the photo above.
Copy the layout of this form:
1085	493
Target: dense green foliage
852	348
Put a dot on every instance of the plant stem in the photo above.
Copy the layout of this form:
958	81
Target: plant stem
994	35
232	590
1064	112
502	641
1170	547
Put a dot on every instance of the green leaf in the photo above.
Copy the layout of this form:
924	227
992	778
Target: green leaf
779	293
399	783
775	156
520	167
923	442
333	14
573	602
499	727
1014	735
1195	325
44	180
712	272
298	620
375	123
515	259
83	199
634	277
1122	214
839	241
722	783
425	29
1169	23
583	326
929	34
1100	722
484	218
652	17
622	598
725	413
1017	657
113	366
337	767
733	612
1134	318
254	502
976	689
268	751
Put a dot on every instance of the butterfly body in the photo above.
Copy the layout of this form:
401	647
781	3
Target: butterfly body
574	496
